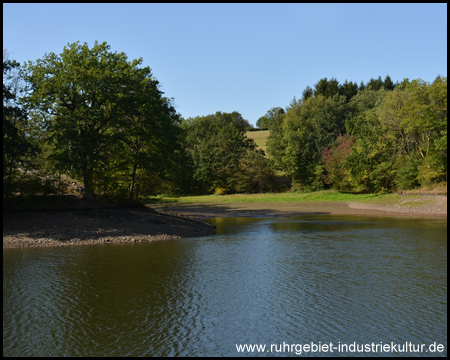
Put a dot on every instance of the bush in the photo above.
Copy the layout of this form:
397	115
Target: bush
220	191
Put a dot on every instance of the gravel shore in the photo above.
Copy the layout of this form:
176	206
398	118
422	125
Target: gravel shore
96	226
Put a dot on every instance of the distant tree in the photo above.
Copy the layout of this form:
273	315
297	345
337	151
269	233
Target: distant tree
275	140
371	164
216	144
375	84
320	88
348	89
240	121
327	88
388	83
332	88
254	174
265	121
362	86
307	93
294	102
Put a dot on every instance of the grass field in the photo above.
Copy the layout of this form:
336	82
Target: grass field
319	196
260	138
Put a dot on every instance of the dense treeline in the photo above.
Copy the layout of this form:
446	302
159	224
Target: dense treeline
376	137
91	116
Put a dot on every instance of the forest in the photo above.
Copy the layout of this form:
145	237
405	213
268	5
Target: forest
90	116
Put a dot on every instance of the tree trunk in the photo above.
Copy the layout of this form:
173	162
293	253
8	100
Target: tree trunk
87	193
133	179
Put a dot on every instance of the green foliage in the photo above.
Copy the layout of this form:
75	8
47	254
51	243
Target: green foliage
223	159
415	116
407	175
398	132
264	122
17	147
361	120
296	143
378	84
105	118
216	143
275	143
432	170
307	93
326	88
93	115
348	89
370	167
254	174
334	159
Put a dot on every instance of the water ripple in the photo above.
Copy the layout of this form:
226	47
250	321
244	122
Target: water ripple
266	281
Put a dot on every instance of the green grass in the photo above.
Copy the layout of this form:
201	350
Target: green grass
260	137
326	195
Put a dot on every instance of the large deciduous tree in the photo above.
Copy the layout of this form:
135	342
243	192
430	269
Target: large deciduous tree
104	115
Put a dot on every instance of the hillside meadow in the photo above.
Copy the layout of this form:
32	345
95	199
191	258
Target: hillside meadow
260	138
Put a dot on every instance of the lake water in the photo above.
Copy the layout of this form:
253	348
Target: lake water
345	280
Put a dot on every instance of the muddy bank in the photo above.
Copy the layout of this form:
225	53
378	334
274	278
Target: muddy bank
424	206
96	226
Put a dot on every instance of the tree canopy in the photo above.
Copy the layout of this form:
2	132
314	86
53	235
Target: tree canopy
265	121
104	115
378	137
223	158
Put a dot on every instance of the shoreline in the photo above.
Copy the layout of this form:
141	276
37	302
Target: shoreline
167	222
96	226
435	208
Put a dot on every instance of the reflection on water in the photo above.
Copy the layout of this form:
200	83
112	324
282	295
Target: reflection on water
258	281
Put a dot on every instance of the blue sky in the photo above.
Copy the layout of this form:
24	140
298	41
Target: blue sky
243	57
